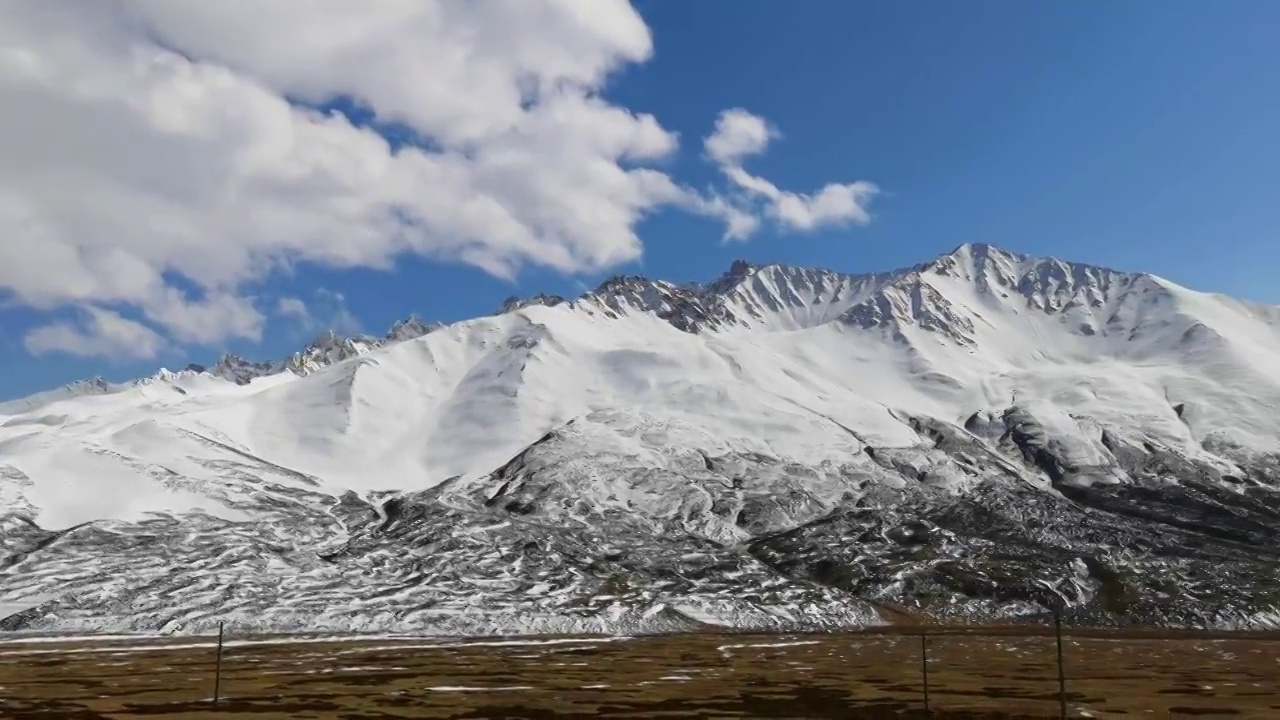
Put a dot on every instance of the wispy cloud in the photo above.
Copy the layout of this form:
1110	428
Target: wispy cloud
332	313
327	311
100	332
739	135
293	309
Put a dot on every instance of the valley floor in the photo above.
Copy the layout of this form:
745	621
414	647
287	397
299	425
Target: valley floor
987	673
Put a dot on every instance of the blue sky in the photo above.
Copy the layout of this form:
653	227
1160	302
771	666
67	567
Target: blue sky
1137	134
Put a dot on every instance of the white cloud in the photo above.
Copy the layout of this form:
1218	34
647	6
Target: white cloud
327	311
738	135
205	321
293	308
834	204
330	312
102	333
152	158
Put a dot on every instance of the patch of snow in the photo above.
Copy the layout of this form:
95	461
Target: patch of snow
463	688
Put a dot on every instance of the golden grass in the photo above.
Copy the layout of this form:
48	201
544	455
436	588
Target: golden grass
876	674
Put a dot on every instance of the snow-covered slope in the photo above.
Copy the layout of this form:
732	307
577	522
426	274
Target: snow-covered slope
778	447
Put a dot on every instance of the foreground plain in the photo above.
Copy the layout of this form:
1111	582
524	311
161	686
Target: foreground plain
1010	673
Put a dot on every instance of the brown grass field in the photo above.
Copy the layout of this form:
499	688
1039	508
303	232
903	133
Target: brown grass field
1000	673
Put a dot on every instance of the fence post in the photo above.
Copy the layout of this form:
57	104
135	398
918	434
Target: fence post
1062	677
924	666
217	671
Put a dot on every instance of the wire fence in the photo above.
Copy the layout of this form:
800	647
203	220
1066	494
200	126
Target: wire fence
922	672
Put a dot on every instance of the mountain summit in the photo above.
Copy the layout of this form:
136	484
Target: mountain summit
984	435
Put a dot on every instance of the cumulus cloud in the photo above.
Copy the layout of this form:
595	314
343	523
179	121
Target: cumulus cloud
100	332
167	158
738	135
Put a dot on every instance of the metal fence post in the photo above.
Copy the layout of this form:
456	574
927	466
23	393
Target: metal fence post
924	667
1062	677
217	671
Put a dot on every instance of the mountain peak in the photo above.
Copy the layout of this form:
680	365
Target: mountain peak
977	249
328	349
240	371
975	261
515	302
408	329
625	283
686	307
79	388
740	268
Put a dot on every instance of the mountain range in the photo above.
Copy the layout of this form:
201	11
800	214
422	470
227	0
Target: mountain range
983	436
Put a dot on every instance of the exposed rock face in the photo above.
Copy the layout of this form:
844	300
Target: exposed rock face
238	370
513	303
409	329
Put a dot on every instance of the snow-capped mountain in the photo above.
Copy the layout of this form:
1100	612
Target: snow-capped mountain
983	435
92	386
